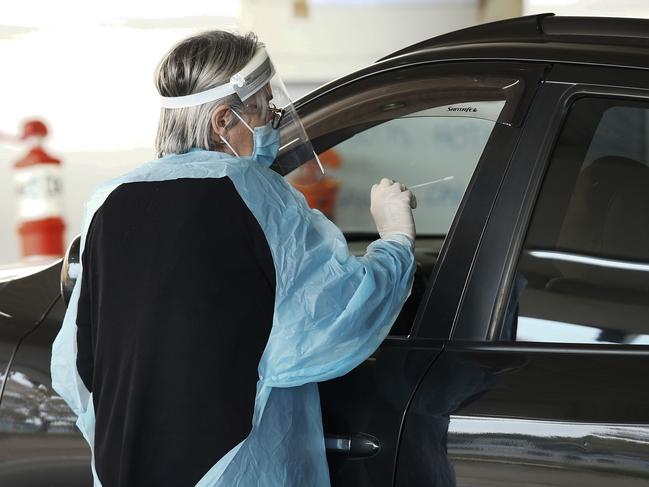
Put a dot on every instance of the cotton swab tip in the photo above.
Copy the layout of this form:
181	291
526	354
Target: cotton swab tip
447	178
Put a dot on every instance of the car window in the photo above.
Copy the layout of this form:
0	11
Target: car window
583	275
428	134
442	151
417	126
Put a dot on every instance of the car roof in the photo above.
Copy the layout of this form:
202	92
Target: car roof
544	30
602	41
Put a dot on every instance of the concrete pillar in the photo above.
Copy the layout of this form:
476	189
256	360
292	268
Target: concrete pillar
492	10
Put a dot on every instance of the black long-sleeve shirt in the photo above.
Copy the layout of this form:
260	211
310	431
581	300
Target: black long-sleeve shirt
175	310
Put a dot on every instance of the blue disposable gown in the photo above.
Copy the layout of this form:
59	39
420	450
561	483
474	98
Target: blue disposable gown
331	312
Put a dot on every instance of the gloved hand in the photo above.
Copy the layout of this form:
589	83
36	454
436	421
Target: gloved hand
391	207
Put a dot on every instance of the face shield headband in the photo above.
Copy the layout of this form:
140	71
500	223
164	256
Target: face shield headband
255	75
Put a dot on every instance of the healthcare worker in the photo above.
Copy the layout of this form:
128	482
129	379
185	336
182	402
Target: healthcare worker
211	299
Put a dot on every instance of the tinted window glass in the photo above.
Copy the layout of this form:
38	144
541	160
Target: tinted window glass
583	276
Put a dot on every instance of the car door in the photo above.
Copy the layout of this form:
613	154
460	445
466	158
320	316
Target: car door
544	381
19	307
447	130
39	441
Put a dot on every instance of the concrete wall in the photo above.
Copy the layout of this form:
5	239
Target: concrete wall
599	8
338	37
103	115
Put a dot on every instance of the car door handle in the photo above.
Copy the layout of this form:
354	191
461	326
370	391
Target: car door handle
358	445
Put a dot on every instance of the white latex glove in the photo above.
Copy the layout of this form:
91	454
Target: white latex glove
391	207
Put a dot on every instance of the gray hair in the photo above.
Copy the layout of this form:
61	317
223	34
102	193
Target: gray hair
196	64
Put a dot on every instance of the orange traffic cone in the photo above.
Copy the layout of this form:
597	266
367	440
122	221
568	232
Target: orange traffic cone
322	194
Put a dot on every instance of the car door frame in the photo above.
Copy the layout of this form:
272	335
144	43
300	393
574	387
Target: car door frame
491	279
447	283
432	324
486	295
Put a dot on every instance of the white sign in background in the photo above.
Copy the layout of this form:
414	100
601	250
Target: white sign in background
39	192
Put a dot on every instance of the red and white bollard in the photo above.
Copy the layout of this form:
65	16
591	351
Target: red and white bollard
39	190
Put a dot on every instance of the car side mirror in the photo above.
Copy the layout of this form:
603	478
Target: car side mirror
70	269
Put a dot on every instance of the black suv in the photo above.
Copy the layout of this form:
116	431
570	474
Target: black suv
521	356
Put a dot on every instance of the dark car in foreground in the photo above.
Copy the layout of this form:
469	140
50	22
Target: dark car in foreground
522	354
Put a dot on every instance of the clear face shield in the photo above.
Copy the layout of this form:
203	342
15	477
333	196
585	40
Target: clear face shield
278	136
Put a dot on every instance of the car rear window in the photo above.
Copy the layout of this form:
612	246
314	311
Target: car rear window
583	275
